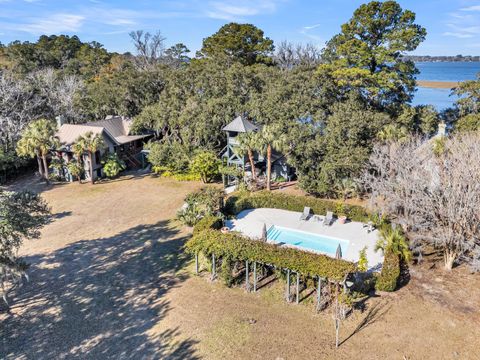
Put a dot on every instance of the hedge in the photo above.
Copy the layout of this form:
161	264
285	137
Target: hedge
388	278
235	246
208	222
266	199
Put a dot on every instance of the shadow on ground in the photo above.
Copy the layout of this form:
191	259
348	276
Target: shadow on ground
99	299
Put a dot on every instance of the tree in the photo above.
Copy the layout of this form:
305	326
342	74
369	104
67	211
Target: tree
150	48
244	43
75	168
393	241
267	139
176	55
432	193
91	143
205	164
367	54
246	145
38	140
22	215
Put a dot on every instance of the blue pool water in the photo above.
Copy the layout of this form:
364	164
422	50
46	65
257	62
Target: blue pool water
306	240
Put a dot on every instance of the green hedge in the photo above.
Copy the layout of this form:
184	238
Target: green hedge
235	246
266	199
388	278
206	223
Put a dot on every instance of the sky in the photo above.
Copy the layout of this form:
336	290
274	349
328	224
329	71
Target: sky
453	26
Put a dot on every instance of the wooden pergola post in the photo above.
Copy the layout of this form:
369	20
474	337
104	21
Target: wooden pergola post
196	263
298	289
214	270
319	292
254	276
288	285
247	282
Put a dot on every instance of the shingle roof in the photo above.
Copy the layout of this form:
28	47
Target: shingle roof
115	127
241	125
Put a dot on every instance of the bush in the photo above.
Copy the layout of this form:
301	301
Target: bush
233	246
266	199
388	278
206	165
113	165
204	202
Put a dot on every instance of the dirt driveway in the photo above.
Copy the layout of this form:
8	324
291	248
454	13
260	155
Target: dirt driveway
109	280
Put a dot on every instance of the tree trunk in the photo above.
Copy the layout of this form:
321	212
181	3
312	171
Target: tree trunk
90	155
252	163
45	168
449	258
269	166
40	166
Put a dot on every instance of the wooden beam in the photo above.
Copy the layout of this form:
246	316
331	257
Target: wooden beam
288	285
298	288
214	270
196	263
319	293
247	282
254	276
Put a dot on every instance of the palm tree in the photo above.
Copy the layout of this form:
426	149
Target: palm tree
266	140
393	240
78	150
90	143
246	145
37	140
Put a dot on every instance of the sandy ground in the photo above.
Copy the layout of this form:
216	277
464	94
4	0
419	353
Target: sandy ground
109	280
437	84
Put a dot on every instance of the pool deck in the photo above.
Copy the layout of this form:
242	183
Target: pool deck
250	223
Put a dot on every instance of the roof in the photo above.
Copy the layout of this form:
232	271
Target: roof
241	125
116	128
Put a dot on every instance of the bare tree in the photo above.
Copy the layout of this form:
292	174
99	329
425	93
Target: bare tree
150	48
432	189
289	55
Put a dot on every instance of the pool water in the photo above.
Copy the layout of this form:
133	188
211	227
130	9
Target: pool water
306	240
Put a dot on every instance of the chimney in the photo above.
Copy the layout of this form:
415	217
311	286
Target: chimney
442	129
60	120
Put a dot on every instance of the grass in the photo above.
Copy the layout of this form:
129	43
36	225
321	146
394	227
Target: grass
109	280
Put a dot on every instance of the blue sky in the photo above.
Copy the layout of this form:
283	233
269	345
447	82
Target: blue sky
453	25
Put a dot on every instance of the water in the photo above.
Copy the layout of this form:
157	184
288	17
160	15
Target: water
306	241
442	71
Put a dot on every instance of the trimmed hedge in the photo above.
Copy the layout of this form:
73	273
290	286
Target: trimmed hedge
235	246
267	199
207	223
388	278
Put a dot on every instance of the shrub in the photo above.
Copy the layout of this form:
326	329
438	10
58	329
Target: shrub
233	246
388	278
206	165
204	202
113	165
362	260
75	169
264	199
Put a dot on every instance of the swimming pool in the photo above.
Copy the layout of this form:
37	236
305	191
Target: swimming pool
306	240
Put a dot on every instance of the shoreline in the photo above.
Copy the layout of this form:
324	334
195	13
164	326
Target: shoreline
437	84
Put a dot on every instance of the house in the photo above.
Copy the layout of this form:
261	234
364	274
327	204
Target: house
280	168
117	138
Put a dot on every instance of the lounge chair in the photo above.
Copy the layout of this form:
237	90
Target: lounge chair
306	213
328	218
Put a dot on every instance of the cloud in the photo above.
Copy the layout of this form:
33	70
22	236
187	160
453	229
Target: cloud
53	24
471	8
238	10
459	35
306	31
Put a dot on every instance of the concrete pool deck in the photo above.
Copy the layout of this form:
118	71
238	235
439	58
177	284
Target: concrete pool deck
250	223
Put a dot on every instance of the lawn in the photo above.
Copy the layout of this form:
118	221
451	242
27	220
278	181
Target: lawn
109	280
